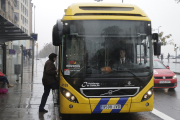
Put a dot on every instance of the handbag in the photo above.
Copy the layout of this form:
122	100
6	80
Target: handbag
3	90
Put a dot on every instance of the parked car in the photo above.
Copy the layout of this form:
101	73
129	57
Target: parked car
163	76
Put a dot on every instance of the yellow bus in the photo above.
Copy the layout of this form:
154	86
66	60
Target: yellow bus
106	59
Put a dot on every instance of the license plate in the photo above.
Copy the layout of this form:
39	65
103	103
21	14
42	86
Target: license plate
118	106
164	81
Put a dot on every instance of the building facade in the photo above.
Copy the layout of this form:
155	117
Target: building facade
19	13
23	19
6	11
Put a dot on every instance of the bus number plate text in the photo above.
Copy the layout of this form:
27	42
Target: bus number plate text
118	106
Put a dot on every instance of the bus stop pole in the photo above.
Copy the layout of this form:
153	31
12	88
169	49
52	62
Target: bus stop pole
4	58
33	48
32	59
176	55
22	63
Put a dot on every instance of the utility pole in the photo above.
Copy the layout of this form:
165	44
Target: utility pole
176	55
122	1
22	55
36	56
33	47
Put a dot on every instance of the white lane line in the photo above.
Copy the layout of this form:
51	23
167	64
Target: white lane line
161	115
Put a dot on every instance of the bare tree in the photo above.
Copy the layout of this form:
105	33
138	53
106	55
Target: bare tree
47	49
166	39
177	1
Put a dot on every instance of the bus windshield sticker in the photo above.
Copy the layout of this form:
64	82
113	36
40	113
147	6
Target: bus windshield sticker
66	71
73	66
75	70
86	84
73	62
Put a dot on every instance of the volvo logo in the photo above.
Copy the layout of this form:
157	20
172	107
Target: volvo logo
110	92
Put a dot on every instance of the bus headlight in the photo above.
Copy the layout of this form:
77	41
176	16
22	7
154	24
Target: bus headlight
174	77
68	95
147	95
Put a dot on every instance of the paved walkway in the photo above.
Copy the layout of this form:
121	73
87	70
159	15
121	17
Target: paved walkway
23	100
173	65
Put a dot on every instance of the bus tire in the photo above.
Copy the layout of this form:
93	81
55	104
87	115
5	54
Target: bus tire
58	99
66	116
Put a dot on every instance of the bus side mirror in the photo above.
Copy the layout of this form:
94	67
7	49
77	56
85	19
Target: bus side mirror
157	44
57	33
157	48
155	37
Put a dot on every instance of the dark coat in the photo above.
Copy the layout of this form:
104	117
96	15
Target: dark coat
49	74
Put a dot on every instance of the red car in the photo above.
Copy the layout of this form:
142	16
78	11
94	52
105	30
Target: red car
163	76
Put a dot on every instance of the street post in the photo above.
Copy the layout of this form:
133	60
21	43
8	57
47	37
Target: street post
34	36
22	50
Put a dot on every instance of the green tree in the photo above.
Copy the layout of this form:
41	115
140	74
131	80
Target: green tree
166	39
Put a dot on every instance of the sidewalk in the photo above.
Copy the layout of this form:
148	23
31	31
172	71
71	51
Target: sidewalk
23	100
175	67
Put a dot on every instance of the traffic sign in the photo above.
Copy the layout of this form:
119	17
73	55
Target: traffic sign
34	36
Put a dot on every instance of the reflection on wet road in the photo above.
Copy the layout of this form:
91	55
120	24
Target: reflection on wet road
23	101
168	101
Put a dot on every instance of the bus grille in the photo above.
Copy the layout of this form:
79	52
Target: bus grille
110	91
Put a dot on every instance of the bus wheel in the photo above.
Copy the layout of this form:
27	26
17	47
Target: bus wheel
66	116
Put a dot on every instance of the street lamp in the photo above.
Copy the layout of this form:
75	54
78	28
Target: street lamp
158	29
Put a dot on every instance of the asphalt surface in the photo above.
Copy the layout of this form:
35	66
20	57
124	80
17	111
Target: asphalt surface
23	101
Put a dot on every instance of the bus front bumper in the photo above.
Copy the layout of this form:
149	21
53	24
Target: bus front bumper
94	106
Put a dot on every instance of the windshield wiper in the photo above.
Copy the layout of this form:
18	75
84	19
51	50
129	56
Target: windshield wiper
138	78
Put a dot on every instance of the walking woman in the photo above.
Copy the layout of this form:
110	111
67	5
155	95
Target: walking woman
49	78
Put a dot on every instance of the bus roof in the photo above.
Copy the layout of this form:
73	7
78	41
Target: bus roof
114	11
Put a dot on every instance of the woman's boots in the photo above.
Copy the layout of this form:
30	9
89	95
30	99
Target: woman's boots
9	85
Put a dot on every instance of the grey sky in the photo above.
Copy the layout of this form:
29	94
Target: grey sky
165	13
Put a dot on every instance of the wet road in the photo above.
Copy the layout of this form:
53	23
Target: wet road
22	103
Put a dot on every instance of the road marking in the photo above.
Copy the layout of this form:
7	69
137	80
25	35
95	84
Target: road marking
161	115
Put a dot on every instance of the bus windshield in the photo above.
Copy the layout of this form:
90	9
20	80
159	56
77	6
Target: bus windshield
106	49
